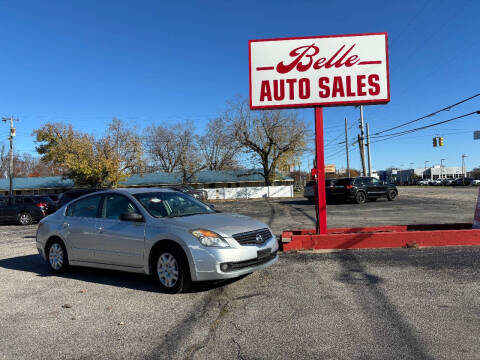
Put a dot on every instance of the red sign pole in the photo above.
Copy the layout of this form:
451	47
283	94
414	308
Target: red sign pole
321	204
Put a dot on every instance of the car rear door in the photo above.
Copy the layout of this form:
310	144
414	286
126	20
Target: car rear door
119	242
79	228
380	187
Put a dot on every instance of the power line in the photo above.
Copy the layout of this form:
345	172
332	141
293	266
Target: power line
429	115
401	133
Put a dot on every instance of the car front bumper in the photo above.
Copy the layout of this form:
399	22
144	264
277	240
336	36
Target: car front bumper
241	260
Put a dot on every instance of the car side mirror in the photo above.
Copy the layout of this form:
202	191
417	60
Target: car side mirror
128	216
211	206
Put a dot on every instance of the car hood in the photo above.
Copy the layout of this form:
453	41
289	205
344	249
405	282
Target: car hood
224	224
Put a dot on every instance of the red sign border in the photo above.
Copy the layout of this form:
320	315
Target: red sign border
324	104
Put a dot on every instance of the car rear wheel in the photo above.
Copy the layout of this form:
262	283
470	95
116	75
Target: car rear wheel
57	256
171	271
360	198
392	195
24	218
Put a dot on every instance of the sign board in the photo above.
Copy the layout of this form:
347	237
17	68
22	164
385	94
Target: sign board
319	71
476	217
329	169
476	135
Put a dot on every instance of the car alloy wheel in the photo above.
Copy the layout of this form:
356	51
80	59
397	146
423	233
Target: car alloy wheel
392	195
25	218
56	256
167	270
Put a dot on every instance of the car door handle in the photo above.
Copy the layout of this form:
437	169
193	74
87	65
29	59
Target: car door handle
65	225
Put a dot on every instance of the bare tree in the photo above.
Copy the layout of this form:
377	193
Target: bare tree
174	148
272	136
218	147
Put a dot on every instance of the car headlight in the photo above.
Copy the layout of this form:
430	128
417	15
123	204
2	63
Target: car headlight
209	238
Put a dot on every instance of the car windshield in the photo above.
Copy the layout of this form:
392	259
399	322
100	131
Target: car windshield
171	204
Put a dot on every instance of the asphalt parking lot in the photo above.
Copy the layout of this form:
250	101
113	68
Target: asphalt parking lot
362	304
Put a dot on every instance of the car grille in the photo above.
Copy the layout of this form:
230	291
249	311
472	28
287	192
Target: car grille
250	237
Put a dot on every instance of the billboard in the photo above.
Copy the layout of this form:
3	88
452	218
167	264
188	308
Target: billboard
329	169
319	71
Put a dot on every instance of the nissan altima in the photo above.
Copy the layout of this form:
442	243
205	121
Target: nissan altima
160	232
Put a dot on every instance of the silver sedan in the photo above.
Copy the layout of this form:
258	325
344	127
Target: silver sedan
160	232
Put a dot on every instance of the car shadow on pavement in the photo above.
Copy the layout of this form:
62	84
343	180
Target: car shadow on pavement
35	264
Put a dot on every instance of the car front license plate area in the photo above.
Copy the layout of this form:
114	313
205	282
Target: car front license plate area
264	253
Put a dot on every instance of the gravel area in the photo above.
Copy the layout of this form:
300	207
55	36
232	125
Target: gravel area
362	304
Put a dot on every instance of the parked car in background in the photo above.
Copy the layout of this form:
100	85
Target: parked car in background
21	209
70	195
435	182
50	205
361	189
475	182
186	189
423	182
168	234
309	190
448	181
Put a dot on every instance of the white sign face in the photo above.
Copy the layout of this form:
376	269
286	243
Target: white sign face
319	71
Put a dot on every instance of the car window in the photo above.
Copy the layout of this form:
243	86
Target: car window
358	182
172	204
367	181
114	205
87	207
375	181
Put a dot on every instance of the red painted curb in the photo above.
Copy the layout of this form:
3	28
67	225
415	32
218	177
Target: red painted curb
395	236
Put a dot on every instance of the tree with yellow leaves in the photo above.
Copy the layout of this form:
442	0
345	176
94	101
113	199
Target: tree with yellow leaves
97	163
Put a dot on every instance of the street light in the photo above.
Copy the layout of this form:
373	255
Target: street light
425	168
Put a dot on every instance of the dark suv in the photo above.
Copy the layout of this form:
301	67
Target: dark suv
360	189
21	209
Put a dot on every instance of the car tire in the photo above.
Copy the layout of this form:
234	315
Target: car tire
392	195
360	197
170	268
24	218
57	257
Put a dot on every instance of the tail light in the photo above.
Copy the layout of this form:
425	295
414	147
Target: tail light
41	205
348	187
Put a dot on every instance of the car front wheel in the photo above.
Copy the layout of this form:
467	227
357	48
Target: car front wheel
171	271
392	195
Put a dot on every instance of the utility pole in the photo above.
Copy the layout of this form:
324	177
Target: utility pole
463	168
441	168
346	148
10	166
361	143
368	152
362	157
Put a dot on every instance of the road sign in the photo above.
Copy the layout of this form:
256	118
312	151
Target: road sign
476	135
321	70
329	169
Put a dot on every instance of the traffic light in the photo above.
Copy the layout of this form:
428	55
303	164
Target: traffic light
440	141
434	140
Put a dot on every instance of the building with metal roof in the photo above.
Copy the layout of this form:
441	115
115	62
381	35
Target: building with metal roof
204	179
